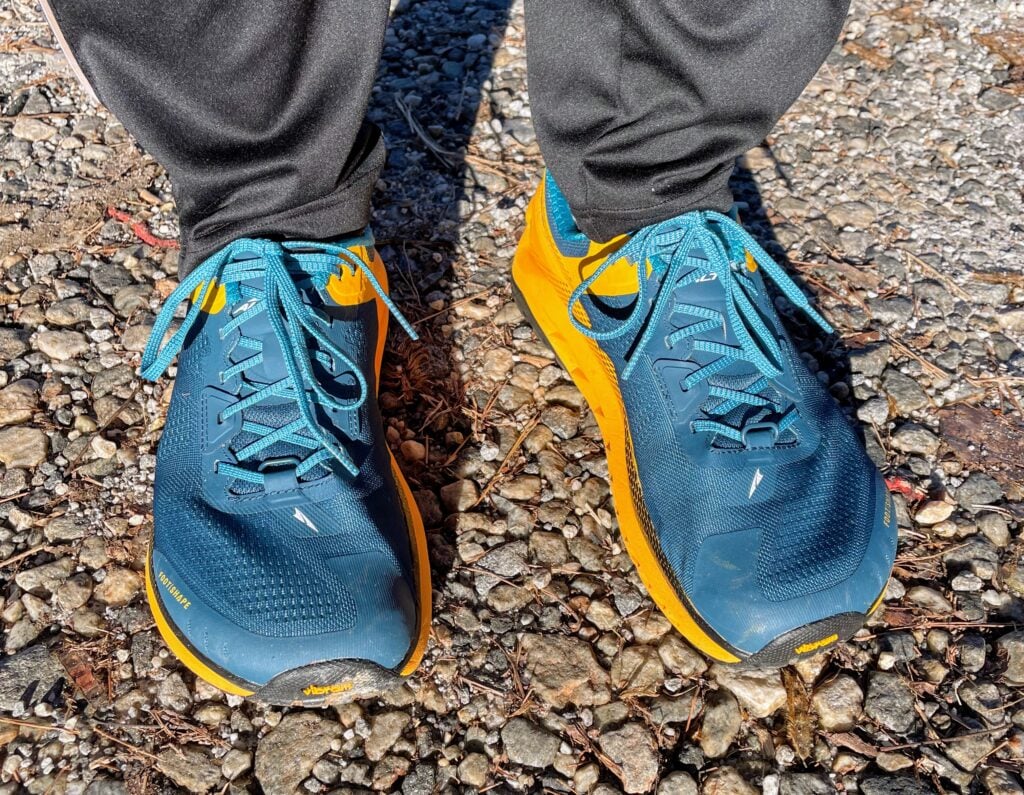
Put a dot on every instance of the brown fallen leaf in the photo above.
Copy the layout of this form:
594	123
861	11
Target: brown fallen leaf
853	742
869	56
980	438
1007	43
800	721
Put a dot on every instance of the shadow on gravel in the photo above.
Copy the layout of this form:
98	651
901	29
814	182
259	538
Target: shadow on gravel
436	61
823	353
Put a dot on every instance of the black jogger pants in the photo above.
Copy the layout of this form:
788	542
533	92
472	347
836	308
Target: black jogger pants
257	108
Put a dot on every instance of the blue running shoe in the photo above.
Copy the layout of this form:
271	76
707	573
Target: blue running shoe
289	559
747	502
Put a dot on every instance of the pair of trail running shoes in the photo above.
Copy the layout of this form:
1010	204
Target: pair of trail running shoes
289	561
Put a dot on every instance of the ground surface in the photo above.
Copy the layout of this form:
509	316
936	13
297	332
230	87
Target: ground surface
893	187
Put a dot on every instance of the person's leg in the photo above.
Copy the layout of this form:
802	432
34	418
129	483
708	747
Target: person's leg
641	106
255	107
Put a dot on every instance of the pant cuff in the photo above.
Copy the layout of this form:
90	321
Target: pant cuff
602	223
345	210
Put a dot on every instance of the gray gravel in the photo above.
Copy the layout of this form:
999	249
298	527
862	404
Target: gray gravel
893	189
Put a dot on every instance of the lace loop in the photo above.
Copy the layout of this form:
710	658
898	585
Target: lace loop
277	267
666	248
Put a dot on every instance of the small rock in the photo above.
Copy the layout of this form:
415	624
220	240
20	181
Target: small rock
726	781
890	702
838	703
933	512
18	402
637	670
915	439
906	394
34	666
855	214
473	770
23	447
929	598
633	748
189	767
459	496
722	721
119	587
386	729
979	489
235	763
44	580
565	671
66	528
528	744
29	129
62	345
680	658
677	783
412	450
871	359
804	784
1011	646
286	755
760	693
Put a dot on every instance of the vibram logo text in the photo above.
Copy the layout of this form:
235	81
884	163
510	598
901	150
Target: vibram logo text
814	645
327	690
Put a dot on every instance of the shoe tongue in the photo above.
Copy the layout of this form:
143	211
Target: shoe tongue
707	291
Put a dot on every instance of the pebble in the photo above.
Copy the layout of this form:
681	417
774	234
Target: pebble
838	703
33	129
189	768
933	512
286	755
911	438
565	671
633	749
1011	646
23	447
978	490
721	724
62	346
387	727
759	692
528	744
890	702
118	587
18	402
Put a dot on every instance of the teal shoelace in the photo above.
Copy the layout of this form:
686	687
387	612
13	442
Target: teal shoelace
279	269
667	246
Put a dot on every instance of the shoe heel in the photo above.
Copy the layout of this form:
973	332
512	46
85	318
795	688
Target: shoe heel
520	299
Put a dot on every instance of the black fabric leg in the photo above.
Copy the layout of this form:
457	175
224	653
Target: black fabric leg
256	108
641	106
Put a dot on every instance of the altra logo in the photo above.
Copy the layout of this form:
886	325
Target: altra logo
300	516
758	477
710	276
